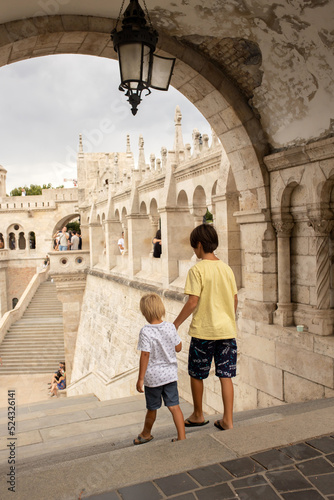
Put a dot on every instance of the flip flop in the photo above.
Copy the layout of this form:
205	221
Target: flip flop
189	423
219	426
142	440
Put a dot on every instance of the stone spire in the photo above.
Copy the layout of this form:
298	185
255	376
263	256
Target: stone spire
128	147
80	144
3	173
141	156
178	141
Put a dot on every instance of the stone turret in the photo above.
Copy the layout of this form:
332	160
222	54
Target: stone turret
178	140
3	173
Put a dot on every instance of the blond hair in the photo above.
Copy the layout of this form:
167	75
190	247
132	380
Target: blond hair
152	307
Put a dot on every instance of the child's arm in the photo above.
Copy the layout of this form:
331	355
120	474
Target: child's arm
178	347
188	308
235	303
144	358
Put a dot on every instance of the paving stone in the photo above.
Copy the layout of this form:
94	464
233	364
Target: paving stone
257	493
288	480
186	496
254	480
272	459
324	483
177	483
315	467
300	451
325	444
141	491
220	492
242	466
207	476
110	495
303	495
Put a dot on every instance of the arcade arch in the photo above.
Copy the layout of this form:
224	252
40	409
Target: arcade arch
204	84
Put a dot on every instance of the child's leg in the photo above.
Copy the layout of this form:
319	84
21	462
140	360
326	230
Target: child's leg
227	396
151	415
178	421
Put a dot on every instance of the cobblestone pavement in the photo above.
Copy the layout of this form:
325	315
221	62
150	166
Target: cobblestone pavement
302	471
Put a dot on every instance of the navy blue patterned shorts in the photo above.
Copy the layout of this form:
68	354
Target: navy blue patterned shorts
201	353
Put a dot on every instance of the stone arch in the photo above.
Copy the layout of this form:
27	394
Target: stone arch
143	209
199	202
124	214
202	82
32	240
117	217
21	241
2	242
182	199
64	221
153	207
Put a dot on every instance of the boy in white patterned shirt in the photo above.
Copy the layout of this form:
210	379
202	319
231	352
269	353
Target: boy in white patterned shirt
158	343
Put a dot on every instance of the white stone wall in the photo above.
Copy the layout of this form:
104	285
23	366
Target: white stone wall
276	365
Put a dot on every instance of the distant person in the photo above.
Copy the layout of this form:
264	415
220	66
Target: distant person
46	262
60	383
2	244
23	192
158	343
80	241
157	245
75	241
121	243
69	240
63	239
212	298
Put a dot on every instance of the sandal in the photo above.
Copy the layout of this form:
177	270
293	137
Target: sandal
141	440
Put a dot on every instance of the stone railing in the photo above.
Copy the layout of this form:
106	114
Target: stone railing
69	262
10	317
4	254
98	383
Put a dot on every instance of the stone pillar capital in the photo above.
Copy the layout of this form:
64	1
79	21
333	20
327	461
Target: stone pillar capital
283	228
322	226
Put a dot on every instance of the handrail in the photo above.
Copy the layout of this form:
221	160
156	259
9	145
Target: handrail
102	377
10	317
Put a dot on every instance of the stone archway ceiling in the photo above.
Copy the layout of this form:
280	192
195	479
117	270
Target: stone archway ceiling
239	58
292	88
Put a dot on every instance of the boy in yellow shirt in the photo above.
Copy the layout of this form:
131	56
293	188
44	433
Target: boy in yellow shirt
213	300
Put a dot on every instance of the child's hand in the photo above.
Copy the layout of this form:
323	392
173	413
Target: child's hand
140	385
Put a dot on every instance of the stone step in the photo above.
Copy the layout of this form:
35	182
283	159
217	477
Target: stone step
97	437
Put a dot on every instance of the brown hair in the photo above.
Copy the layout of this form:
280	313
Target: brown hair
206	235
152	307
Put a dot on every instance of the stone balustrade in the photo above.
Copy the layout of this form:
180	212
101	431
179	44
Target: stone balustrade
69	262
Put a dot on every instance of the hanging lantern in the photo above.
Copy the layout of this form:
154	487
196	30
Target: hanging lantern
135	44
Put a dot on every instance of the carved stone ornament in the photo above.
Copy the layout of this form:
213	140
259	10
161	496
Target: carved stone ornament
322	227
282	227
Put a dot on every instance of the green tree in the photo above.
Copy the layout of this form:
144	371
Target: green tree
73	226
33	190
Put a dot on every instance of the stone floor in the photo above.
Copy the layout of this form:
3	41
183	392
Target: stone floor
303	471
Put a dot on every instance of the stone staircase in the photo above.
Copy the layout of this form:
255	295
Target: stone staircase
35	343
71	448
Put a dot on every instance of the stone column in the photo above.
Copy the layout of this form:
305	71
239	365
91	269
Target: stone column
154	220
284	314
85	236
70	290
112	229
322	228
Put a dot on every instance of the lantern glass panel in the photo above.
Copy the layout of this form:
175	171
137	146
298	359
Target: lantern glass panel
134	63
162	70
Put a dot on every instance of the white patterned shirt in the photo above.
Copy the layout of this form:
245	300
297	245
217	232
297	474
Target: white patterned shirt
160	341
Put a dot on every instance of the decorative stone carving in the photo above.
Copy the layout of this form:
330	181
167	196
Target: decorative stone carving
283	228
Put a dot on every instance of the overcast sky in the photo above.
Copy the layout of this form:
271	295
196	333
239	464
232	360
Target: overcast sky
45	103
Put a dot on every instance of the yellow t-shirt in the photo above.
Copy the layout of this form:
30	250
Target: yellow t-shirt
214	283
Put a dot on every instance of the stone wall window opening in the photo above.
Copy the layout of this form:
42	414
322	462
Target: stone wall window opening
2	242
32	240
64	261
11	241
16	227
143	209
22	241
14	302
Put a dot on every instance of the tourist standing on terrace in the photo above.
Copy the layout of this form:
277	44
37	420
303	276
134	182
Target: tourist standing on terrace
212	292
63	239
